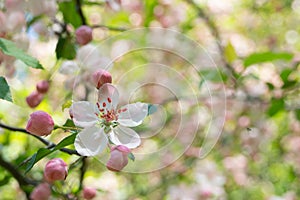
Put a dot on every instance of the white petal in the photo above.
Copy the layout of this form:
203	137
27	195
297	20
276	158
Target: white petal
84	113
133	115
91	141
122	135
109	95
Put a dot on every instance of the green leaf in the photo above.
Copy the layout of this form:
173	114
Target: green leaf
266	57
131	156
152	109
69	123
9	48
65	48
230	53
276	106
65	142
67	104
4	90
43	152
70	14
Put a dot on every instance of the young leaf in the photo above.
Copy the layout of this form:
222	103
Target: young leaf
65	48
230	53
43	152
65	105
9	48
69	123
266	57
4	90
70	14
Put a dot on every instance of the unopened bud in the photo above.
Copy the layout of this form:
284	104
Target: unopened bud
41	192
84	34
42	86
101	77
55	169
89	192
118	158
40	123
34	99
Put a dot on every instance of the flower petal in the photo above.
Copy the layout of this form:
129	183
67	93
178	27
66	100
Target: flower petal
83	113
122	135
133	114
91	141
109	96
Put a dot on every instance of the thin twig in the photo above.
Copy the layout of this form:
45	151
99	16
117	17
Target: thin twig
80	12
16	174
44	141
111	28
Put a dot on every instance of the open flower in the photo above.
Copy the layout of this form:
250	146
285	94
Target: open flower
103	121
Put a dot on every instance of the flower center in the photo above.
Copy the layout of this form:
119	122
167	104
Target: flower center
107	112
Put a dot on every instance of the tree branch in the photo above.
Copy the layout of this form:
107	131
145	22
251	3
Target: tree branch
79	11
16	174
44	141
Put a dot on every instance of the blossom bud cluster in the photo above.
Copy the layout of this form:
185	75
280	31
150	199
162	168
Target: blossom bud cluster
35	98
56	170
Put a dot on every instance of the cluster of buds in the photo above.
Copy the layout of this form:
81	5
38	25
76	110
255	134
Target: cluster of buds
35	98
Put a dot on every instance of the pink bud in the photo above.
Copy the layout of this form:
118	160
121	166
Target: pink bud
55	169
84	34
118	158
42	86
41	192
89	193
101	77
34	99
40	123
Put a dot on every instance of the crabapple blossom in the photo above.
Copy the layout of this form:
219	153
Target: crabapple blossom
42	86
118	158
89	192
34	99
84	34
55	169
40	123
41	192
101	77
104	121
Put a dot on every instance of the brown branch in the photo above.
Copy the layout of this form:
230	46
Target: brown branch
16	174
44	141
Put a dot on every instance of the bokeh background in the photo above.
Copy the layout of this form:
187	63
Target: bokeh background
223	74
